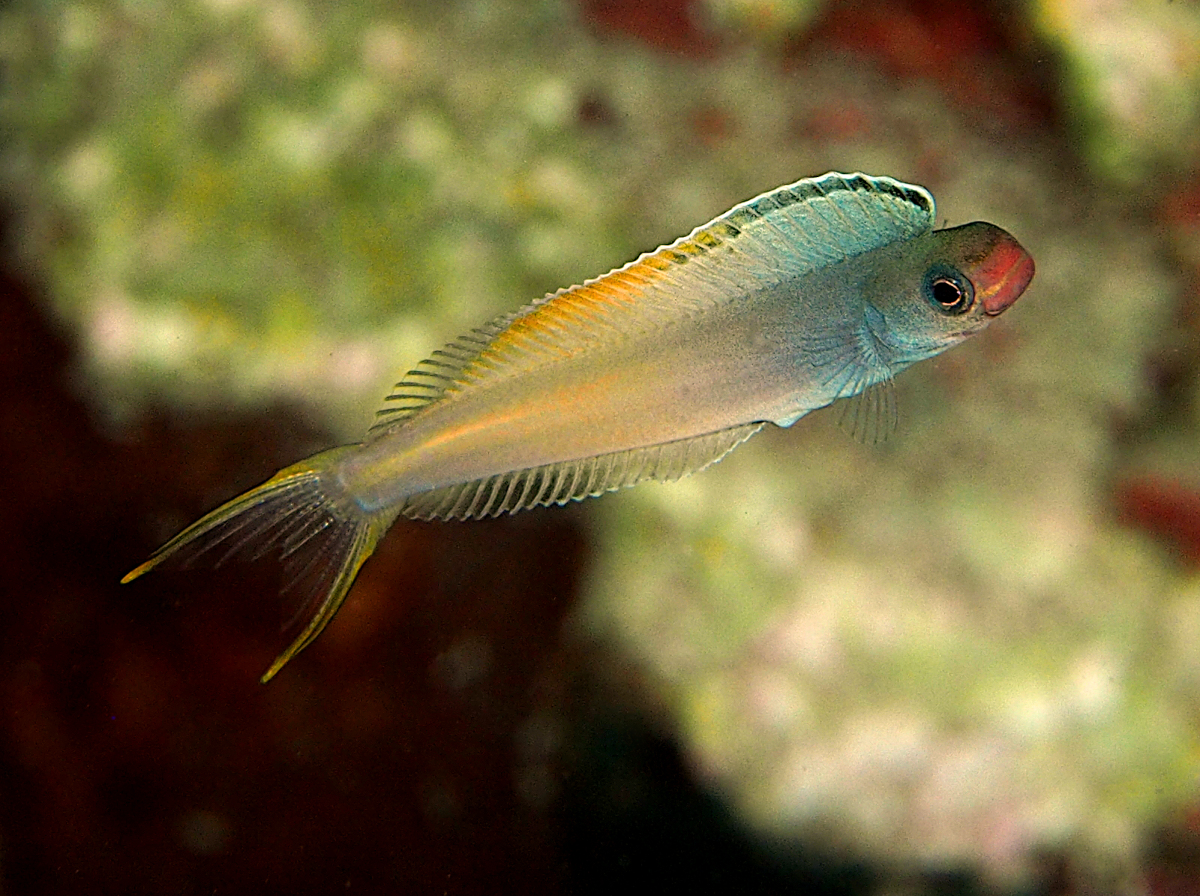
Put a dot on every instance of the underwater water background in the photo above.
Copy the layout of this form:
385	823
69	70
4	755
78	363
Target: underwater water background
964	659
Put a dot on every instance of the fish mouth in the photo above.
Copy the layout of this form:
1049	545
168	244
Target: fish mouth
1002	272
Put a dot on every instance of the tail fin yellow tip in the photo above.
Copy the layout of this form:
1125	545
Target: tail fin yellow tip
323	540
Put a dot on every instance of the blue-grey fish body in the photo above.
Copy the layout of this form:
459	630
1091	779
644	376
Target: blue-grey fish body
815	291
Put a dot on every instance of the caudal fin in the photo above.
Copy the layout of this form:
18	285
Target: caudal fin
321	537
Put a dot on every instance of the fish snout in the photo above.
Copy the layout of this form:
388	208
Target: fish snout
1002	272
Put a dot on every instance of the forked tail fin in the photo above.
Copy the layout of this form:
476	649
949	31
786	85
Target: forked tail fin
322	537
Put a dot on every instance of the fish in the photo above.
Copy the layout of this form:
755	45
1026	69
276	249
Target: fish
819	290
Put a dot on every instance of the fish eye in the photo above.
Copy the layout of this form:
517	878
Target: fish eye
949	291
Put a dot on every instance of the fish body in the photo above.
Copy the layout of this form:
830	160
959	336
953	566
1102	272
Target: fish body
816	291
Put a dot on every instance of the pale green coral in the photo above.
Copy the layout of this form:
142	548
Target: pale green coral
765	20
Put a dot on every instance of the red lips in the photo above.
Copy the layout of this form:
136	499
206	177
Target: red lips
1002	274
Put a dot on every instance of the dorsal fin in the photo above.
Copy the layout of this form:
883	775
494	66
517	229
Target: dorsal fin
782	234
574	480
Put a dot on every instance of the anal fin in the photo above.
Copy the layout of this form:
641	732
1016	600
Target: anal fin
574	480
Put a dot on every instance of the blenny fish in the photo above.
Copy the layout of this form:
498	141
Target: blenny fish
819	290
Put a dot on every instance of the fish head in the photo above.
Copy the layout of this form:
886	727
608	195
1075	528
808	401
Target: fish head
997	266
938	289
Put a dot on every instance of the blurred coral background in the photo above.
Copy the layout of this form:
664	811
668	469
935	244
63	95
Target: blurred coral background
963	660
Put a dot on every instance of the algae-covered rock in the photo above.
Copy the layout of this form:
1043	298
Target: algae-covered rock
1132	81
241	202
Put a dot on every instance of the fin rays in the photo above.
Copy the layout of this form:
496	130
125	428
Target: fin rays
869	416
321	543
575	480
784	233
853	366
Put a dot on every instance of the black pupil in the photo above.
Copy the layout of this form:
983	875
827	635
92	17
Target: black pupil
946	292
